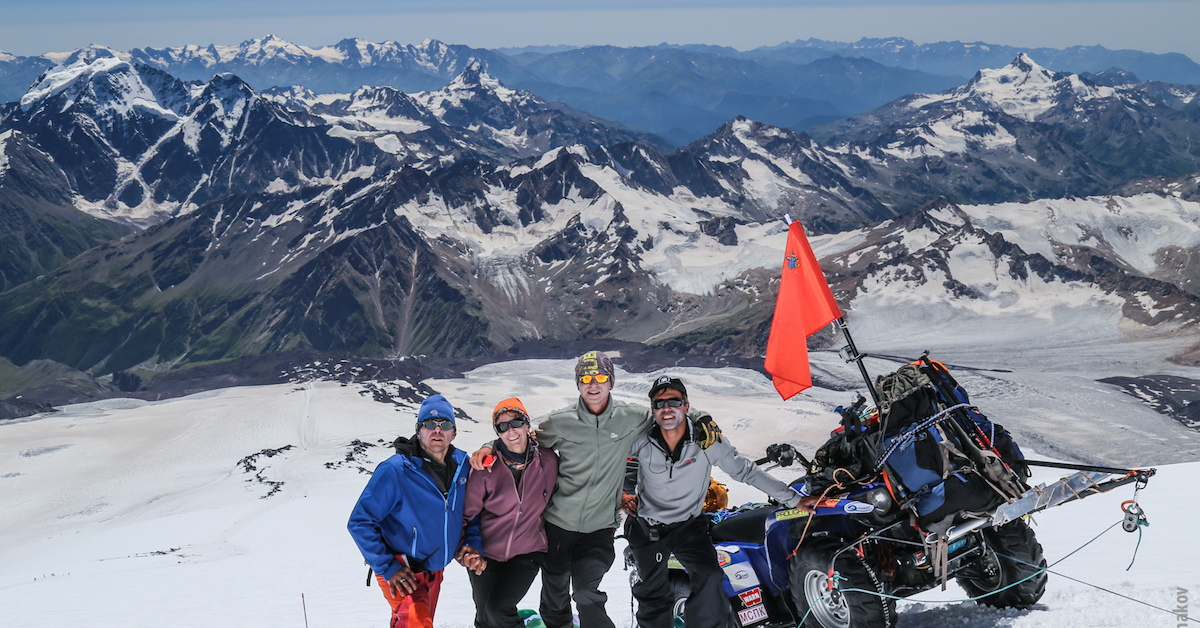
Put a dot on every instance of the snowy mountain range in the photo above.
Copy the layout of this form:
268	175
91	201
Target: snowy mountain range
964	58
678	92
139	146
1022	131
462	220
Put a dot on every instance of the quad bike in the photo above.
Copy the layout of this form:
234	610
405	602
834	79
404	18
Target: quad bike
874	539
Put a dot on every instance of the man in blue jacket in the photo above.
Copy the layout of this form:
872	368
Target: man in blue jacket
408	521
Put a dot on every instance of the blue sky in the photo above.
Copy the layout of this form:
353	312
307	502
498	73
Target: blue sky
33	27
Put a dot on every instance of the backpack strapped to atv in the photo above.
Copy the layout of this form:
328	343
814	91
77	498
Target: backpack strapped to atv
937	454
950	495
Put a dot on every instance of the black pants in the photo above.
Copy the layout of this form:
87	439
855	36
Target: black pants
498	589
707	606
576	560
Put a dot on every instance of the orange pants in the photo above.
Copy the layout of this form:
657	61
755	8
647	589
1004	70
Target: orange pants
416	610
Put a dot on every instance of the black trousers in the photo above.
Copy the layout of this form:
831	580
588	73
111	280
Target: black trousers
707	606
498	589
578	561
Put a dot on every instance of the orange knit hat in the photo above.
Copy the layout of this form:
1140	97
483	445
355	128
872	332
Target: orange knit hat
512	404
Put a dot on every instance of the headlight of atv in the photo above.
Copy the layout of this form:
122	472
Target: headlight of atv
880	499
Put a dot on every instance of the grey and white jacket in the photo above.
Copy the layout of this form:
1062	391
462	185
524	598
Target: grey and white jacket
672	489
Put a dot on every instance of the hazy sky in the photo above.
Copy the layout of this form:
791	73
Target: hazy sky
30	27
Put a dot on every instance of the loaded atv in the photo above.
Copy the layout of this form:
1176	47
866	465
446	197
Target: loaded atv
915	491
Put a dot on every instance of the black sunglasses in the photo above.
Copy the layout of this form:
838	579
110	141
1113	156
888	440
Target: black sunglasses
659	404
505	425
445	424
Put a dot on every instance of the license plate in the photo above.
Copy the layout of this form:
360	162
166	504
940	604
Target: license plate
752	614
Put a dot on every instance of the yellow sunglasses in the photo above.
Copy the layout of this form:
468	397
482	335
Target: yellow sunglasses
587	379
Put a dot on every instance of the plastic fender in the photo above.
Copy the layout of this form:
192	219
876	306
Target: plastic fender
778	546
736	561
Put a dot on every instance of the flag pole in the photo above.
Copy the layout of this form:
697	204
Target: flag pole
857	357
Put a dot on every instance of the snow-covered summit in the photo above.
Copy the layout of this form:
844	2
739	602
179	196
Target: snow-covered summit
473	79
88	53
107	84
469	91
269	48
1022	89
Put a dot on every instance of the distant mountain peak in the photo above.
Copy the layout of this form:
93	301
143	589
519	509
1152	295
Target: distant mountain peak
1025	63
471	75
91	52
1022	89
475	78
71	79
432	46
1022	73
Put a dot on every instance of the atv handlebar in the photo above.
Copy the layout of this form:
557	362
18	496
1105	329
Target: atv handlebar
783	454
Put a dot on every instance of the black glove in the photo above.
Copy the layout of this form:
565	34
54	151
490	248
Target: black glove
710	432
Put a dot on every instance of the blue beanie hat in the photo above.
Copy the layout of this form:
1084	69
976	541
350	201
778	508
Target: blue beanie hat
435	407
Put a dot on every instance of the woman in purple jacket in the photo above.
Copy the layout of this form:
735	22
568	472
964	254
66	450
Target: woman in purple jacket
509	502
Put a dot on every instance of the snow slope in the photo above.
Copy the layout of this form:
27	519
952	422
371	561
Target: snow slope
129	513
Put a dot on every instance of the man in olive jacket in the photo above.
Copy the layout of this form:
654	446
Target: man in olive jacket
593	438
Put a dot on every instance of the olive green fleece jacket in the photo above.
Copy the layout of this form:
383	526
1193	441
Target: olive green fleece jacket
592	450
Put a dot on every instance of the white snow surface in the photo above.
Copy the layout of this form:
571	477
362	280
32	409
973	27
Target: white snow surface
920	313
1135	228
951	135
681	256
125	513
4	137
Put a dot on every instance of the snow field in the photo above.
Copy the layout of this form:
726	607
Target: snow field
128	513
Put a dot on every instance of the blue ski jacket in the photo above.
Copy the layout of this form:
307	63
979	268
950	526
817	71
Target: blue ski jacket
402	511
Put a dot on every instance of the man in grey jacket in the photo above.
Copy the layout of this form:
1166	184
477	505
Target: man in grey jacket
673	473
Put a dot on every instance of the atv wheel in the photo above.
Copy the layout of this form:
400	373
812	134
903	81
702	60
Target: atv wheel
996	570
840	607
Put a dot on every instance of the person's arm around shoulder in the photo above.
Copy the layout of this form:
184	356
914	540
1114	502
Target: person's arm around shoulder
547	432
470	550
549	460
629	487
743	469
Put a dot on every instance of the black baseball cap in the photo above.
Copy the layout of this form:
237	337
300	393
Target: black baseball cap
666	381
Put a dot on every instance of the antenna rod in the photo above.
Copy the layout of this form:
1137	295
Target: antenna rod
857	357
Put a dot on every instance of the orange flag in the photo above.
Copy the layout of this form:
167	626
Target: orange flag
804	305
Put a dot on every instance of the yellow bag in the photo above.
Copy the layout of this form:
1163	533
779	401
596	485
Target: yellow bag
717	497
